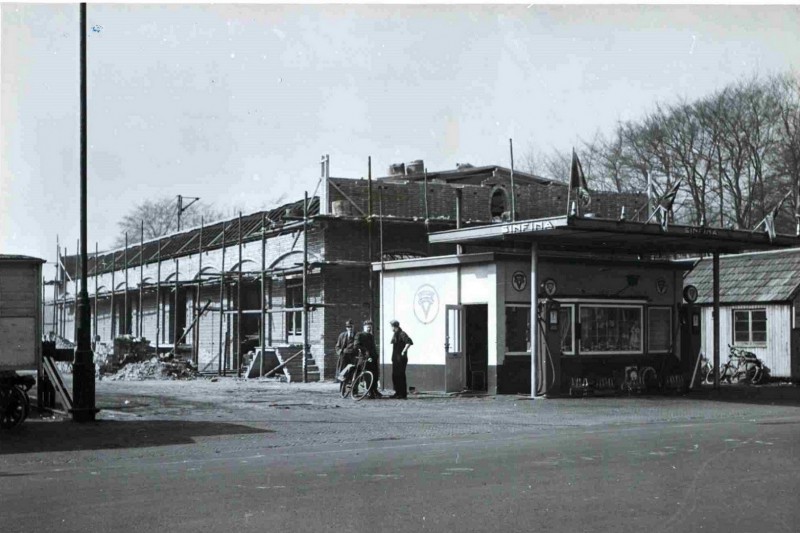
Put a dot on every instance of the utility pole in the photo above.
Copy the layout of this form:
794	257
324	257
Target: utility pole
83	365
182	208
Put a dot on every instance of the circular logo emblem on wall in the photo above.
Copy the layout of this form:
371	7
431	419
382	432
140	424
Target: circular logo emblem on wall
519	280
426	304
690	293
661	285
550	286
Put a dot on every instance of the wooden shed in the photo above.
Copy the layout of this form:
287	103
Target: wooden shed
20	312
760	306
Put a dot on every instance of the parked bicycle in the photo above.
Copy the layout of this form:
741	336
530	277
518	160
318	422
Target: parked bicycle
742	366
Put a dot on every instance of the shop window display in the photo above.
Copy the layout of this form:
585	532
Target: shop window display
610	329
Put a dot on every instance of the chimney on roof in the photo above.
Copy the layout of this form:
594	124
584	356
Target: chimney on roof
463	166
397	169
415	167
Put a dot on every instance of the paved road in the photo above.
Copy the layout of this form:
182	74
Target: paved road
709	475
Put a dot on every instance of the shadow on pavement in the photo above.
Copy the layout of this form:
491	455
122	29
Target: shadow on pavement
62	436
788	395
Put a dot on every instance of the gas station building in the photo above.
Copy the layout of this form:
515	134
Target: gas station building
609	293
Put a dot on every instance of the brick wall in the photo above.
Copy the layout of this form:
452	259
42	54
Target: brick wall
533	200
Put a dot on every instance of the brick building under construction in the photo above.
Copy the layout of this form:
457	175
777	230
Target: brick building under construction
223	289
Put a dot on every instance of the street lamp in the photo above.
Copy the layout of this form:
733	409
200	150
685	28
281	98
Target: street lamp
83	387
182	208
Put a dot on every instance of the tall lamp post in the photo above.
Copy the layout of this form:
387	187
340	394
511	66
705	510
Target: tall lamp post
182	208
83	365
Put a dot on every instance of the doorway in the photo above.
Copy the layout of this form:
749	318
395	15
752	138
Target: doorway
477	346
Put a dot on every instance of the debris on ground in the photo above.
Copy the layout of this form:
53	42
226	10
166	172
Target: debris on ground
156	368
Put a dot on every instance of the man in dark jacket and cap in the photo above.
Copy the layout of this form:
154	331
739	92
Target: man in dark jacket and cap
400	344
365	341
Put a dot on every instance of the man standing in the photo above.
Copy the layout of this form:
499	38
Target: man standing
345	347
400	344
366	342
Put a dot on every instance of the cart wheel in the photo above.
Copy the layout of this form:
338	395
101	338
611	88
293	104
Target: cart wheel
13	409
362	385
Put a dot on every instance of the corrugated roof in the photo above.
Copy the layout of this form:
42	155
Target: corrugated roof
749	278
188	241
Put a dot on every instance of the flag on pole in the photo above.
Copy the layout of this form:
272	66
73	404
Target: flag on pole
577	181
777	208
668	199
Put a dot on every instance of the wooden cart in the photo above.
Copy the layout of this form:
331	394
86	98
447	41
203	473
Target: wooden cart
20	334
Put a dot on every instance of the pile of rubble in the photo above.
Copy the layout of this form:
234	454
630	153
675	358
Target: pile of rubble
156	368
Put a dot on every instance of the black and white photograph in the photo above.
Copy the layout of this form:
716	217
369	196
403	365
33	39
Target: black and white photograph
363	267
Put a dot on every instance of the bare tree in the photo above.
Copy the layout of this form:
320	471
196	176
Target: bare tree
160	217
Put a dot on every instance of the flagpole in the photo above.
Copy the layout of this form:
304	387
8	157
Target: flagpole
569	188
513	192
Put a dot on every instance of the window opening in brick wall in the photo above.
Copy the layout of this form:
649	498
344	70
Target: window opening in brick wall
294	319
499	205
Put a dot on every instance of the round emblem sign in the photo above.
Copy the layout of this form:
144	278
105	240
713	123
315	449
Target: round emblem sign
690	293
550	286
519	280
426	304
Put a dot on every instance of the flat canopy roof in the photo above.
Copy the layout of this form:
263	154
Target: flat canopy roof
573	233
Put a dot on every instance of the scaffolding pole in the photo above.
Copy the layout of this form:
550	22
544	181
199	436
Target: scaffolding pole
238	345
56	284
220	369
305	288
139	328
75	303
113	290
125	310
175	308
96	288
196	303
263	315
158	295
369	234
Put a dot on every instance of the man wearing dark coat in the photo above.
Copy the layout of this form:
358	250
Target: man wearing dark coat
345	347
400	343
365	341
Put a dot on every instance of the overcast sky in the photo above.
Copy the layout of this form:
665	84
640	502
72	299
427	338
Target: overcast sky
235	104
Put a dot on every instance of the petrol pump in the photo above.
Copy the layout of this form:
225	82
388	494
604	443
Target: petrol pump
689	314
549	358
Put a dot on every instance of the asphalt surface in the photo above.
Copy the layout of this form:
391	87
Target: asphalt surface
655	465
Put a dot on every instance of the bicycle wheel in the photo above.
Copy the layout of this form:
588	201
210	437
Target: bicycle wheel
751	371
758	375
344	390
361	385
708	376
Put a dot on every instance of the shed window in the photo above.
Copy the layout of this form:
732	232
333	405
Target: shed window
750	326
611	329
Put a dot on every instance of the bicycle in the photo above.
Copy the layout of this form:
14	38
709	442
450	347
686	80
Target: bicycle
357	381
742	366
